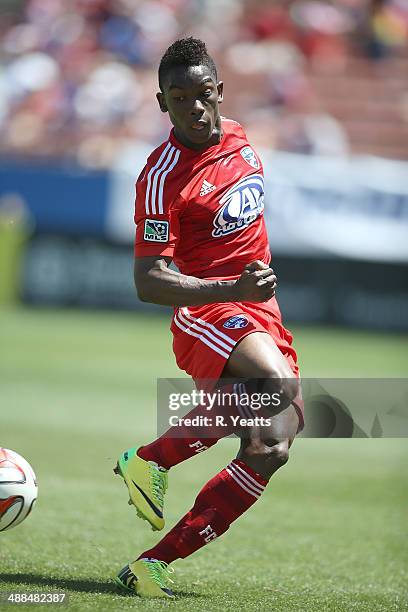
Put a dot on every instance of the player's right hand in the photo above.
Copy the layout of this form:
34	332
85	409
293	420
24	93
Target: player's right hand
257	283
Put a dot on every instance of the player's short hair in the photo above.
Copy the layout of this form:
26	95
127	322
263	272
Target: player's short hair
186	52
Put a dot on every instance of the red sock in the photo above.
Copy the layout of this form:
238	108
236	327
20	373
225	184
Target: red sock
183	441
220	502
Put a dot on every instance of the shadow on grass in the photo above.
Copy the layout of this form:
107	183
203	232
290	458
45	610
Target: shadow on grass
80	586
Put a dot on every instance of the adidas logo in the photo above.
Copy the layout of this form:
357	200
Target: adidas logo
206	188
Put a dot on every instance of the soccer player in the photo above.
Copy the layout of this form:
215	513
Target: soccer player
199	202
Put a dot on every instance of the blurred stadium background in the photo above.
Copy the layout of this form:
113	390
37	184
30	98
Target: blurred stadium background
322	91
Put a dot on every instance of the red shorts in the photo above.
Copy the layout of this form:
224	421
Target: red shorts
205	336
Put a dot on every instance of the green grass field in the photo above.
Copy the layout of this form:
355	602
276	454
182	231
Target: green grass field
329	534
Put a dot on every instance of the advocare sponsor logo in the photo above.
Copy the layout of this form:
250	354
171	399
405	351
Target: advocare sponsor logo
242	204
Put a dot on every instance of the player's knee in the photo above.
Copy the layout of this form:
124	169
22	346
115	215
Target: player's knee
269	453
279	454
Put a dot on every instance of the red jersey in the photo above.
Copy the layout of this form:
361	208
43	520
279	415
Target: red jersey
204	209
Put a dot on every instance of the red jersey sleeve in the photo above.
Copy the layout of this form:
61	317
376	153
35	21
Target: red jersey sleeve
156	217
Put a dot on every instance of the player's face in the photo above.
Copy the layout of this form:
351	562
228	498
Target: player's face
191	97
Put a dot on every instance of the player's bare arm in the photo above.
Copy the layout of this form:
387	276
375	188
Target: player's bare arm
157	283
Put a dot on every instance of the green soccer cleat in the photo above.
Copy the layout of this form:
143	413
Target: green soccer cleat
146	577
147	484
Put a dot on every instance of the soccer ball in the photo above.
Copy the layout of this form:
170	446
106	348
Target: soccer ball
18	489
